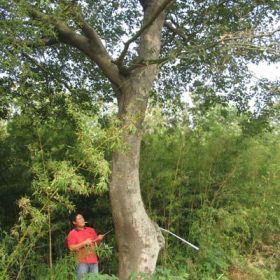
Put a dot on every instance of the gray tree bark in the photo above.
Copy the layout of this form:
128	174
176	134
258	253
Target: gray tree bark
139	239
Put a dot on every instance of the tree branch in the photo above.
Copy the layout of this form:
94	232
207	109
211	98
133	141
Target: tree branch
176	31
41	43
160	61
176	53
144	63
90	44
161	8
33	60
248	35
87	30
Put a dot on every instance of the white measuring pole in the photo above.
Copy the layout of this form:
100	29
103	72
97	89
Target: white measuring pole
180	238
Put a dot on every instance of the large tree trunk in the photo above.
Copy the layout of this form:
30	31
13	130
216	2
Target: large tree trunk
139	239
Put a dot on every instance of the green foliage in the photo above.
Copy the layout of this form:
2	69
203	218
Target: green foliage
217	188
66	159
100	277
104	251
64	268
213	180
161	274
211	184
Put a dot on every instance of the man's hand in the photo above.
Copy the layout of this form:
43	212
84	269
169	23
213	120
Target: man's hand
100	237
88	241
82	244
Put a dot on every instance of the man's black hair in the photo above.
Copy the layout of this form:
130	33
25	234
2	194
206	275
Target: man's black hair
73	216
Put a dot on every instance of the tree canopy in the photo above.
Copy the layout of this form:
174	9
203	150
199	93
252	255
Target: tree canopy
204	43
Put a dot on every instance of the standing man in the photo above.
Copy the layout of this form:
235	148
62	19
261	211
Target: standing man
83	241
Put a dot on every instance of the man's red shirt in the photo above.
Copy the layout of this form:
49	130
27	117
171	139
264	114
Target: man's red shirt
85	254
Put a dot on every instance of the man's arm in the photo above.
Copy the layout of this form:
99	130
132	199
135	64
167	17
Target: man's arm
82	244
99	238
96	238
86	242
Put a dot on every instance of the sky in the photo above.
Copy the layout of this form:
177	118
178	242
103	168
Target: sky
264	70
261	70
